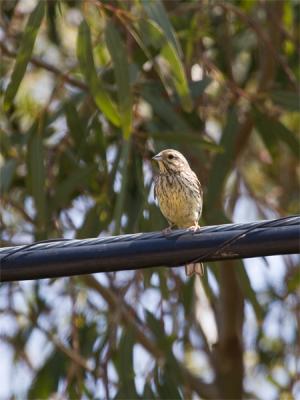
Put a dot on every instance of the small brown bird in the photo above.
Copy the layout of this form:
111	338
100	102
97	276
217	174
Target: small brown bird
179	195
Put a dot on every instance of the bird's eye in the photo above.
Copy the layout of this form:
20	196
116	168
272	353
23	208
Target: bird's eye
170	157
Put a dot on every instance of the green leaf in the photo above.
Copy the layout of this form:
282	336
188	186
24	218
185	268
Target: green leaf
197	87
24	53
184	137
45	383
273	131
163	108
249	293
7	172
187	296
75	125
286	99
169	380
178	75
120	201
36	174
222	162
157	12
136	196
90	226
119	58
152	35
148	393
157	328
124	364
75	181
87	66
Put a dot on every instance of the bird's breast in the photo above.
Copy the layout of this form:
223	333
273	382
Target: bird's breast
178	200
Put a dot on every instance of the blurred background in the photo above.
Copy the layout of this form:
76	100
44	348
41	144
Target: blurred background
90	91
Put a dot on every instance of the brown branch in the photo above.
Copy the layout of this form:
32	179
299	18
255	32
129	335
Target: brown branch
129	318
49	67
273	49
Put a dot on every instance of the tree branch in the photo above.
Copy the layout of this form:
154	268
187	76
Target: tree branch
49	67
129	318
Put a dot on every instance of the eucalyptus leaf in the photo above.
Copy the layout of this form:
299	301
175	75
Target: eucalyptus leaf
7	172
24	52
121	68
87	65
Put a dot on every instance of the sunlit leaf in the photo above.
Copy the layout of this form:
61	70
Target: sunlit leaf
152	35
24	52
87	65
157	12
121	69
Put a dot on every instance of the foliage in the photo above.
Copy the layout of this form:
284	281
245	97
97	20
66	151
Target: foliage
91	91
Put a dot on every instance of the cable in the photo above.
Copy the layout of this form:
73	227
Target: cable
66	257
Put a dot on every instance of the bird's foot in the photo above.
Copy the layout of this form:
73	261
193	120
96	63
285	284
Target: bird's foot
194	228
167	231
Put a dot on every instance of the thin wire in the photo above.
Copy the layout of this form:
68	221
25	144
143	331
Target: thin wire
216	251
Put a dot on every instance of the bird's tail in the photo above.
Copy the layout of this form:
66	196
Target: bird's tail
194	268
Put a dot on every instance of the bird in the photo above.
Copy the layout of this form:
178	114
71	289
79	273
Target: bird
179	195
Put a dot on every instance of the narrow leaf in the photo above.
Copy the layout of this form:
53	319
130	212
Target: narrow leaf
24	52
37	175
75	125
272	131
7	172
153	36
178	75
87	65
120	201
125	369
249	293
223	161
186	136
121	69
65	189
157	12
286	99
163	108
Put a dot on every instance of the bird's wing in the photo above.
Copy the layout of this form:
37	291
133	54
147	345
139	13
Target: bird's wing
155	183
198	185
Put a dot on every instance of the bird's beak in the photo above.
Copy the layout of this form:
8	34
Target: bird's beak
158	157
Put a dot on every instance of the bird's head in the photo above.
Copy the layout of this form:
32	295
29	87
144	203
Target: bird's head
171	161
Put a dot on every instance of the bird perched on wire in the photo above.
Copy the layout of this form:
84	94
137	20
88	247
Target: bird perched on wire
179	196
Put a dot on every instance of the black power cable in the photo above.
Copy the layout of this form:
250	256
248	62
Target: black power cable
55	258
